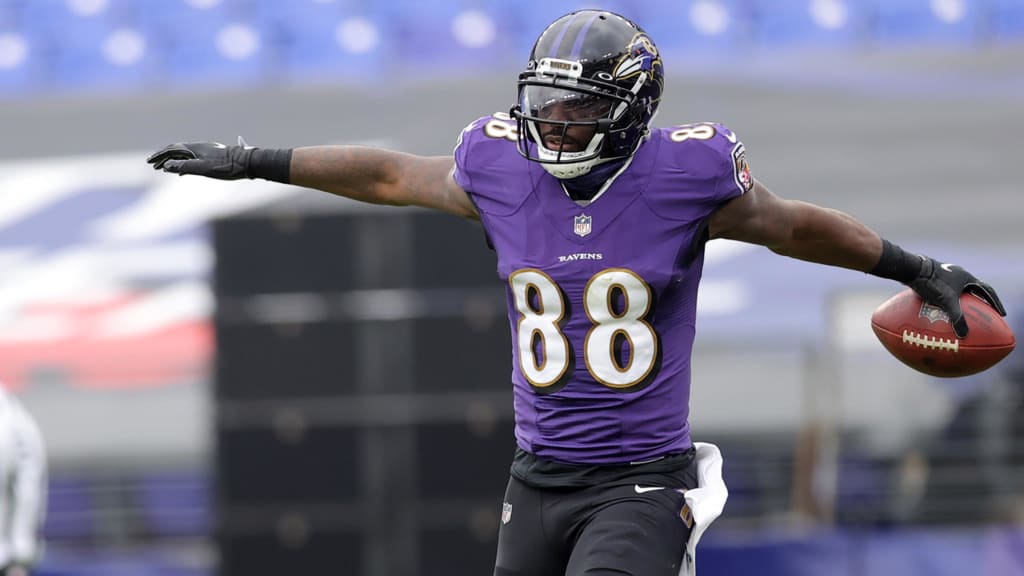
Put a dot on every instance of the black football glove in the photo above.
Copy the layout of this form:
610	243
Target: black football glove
942	284
211	159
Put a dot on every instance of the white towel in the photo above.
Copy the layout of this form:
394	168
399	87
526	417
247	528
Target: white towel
706	501
23	474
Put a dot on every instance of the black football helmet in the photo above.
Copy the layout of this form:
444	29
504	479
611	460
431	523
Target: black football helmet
592	69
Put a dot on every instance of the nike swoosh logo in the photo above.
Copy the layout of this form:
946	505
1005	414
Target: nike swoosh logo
644	489
731	136
947	267
218	145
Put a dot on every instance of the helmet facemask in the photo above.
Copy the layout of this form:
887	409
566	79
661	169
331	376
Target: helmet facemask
570	124
609	71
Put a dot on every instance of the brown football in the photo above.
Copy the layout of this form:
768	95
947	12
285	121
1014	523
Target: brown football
920	335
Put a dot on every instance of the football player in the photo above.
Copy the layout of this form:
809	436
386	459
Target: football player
22	488
599	222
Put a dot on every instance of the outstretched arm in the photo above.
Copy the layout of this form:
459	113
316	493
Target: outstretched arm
362	173
797	229
809	232
381	177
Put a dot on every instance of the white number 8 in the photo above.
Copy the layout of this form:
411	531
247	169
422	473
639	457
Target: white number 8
501	126
541	306
540	323
694	131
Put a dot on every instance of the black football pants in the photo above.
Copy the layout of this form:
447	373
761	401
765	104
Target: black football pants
620	530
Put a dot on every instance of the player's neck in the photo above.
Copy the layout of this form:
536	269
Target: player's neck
587	187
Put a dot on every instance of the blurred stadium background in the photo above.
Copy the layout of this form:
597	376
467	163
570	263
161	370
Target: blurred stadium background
248	378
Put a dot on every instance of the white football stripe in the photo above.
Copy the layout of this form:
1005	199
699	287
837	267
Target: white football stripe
167	260
177	204
28	186
91	274
11	258
181	302
38	328
68	277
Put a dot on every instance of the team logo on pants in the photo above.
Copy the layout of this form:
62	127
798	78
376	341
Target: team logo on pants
687	515
506	512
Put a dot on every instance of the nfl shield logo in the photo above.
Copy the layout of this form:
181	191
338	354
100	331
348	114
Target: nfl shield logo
506	512
581	225
933	313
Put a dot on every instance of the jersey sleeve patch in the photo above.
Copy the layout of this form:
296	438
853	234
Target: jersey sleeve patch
741	169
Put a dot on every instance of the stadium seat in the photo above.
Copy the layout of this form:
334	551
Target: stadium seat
59	16
455	38
924	22
813	24
71	511
316	41
107	59
10	12
80	44
860	489
22	62
176	504
1006	20
195	13
523	20
205	42
695	32
680	28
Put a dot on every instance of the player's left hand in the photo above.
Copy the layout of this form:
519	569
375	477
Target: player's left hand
211	159
942	284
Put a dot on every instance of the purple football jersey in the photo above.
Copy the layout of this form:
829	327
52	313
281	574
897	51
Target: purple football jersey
602	298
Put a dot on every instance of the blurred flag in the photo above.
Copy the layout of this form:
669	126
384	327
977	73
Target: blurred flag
103	271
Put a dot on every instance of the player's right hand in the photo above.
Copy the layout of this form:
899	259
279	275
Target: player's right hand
942	284
211	159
